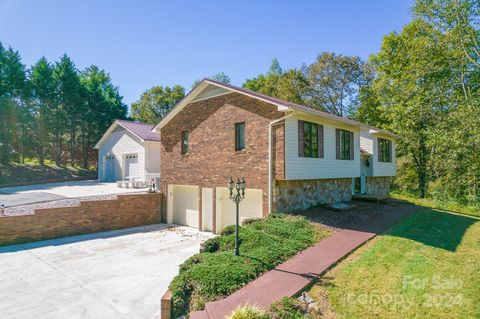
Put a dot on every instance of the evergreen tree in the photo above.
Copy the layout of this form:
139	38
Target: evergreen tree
13	90
44	98
70	106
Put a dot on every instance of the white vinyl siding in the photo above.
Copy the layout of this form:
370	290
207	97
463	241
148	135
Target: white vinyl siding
152	157
384	168
366	141
314	168
369	142
120	143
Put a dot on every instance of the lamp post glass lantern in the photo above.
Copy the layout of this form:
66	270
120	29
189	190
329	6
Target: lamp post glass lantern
236	197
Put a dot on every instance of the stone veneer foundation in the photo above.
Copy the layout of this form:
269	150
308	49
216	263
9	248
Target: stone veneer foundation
378	185
296	195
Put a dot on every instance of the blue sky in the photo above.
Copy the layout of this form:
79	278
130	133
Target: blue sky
146	43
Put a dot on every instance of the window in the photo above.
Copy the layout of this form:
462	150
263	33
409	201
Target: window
239	136
184	142
310	139
384	150
344	143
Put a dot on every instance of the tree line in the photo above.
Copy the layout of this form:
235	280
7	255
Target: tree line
53	110
426	88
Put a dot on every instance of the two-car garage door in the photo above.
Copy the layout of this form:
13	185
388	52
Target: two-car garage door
183	206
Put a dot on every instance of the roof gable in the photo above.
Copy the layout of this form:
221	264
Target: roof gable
144	132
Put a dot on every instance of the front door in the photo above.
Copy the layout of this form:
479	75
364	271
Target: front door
365	171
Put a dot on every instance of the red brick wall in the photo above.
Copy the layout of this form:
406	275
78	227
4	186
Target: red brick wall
91	216
212	158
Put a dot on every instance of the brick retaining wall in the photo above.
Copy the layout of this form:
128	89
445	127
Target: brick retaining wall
90	217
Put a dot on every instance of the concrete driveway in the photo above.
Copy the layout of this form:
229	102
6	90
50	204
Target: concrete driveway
116	274
22	195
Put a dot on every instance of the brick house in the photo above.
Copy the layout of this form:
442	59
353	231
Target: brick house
291	156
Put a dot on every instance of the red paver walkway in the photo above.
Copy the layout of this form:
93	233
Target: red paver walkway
295	274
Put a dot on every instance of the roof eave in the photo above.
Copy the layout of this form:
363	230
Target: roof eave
375	131
176	109
282	106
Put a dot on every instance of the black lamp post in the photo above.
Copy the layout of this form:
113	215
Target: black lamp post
239	185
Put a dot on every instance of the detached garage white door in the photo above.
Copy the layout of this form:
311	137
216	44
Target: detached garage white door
183	205
131	165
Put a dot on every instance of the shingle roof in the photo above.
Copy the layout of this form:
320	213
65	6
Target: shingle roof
280	103
142	130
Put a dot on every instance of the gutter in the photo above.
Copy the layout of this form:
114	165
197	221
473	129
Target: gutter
270	170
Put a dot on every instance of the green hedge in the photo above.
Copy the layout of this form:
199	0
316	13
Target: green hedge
216	273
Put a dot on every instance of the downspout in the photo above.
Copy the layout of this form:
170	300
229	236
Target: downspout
270	169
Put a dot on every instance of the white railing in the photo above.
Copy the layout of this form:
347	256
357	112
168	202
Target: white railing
149	176
138	182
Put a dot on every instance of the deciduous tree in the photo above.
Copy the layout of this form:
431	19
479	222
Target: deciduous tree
155	103
290	85
334	81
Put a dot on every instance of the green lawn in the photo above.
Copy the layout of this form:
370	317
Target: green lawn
427	266
448	206
31	172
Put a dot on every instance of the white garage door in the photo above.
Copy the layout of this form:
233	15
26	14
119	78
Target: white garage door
184	204
131	165
250	207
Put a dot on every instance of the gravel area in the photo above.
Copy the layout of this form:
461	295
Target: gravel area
188	232
67	202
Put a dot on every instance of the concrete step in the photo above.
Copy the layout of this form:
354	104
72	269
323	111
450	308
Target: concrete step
370	198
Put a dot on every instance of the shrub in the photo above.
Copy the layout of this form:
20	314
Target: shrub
230	229
210	245
217	273
288	308
248	312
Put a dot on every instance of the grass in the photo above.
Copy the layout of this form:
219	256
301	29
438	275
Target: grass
451	206
216	273
31	172
427	266
285	308
248	312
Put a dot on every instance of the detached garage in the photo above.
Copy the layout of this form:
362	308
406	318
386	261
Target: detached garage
128	150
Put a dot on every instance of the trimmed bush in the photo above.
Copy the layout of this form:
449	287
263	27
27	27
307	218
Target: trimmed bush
210	245
230	229
248	312
217	273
